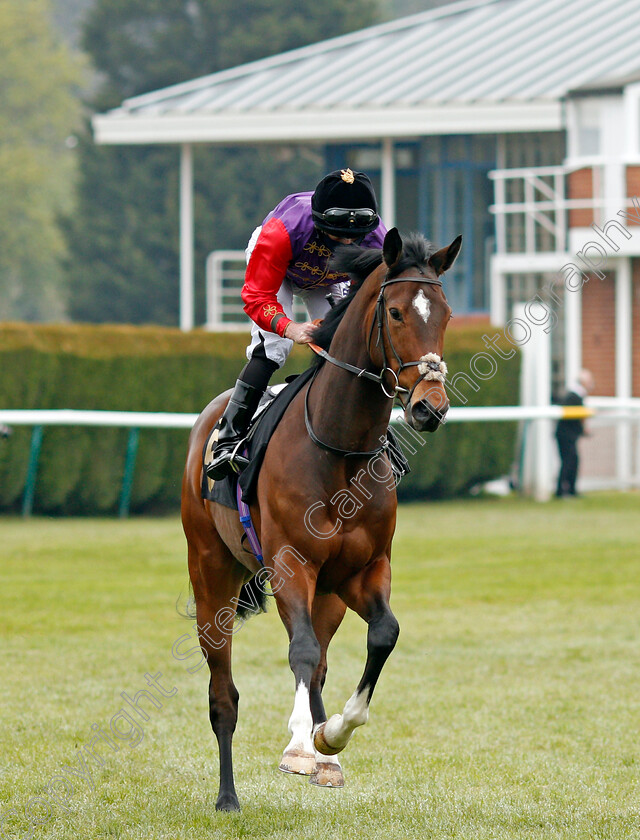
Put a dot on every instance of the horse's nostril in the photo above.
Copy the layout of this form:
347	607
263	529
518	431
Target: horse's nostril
427	418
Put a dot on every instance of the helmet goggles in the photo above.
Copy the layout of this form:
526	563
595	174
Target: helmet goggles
344	221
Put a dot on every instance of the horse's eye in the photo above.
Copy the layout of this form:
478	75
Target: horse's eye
395	314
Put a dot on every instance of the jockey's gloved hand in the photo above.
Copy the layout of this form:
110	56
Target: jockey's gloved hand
300	333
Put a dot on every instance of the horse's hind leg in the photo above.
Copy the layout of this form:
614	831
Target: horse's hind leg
367	594
327	614
217	578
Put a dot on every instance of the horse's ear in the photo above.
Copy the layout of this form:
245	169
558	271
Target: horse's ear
392	248
443	259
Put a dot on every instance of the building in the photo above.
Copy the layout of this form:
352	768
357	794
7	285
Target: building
513	122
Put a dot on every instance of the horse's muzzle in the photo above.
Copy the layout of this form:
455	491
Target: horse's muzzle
424	417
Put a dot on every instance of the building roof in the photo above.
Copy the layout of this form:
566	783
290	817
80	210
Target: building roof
473	66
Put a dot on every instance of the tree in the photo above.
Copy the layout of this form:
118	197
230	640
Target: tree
38	111
401	8
124	235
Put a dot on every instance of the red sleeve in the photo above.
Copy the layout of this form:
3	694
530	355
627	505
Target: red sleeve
266	271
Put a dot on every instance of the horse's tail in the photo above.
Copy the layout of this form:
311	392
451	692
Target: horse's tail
252	599
189	609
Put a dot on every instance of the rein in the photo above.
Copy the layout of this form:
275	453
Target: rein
380	318
327	446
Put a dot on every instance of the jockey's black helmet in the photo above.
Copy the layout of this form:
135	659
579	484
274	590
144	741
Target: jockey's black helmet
344	204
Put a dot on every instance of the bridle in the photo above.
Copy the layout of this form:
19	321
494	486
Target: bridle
381	319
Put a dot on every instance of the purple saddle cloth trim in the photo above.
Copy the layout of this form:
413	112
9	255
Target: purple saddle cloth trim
247	523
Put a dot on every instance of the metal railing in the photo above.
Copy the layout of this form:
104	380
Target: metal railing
605	408
225	272
132	420
545	206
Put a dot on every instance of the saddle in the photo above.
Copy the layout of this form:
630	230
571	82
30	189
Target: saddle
270	411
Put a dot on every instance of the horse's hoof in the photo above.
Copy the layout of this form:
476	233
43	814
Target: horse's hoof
321	745
327	774
298	761
227	802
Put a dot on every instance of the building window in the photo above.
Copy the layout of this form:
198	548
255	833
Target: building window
588	141
585	117
455	196
530	149
366	159
442	190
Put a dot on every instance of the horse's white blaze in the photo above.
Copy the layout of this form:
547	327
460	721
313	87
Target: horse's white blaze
301	722
338	729
422	306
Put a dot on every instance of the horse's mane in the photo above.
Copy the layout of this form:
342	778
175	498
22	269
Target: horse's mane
359	263
416	251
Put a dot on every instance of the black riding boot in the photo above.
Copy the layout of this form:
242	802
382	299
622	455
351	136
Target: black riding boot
233	427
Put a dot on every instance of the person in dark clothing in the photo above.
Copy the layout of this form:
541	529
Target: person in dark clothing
568	433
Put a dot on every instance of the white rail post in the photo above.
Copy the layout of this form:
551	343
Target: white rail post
623	310
560	212
572	335
186	238
214	274
529	220
537	478
500	195
388	178
497	293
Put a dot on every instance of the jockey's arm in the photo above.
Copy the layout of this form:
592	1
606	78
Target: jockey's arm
265	274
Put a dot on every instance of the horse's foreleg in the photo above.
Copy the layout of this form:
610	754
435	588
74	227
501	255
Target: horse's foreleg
327	614
368	595
304	656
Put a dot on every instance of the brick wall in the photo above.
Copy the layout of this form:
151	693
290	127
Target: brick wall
635	325
598	332
580	185
633	188
463	322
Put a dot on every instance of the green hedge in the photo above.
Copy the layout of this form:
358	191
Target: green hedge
459	456
158	369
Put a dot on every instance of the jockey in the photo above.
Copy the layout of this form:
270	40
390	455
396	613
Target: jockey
288	254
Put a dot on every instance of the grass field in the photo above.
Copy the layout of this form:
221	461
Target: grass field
510	708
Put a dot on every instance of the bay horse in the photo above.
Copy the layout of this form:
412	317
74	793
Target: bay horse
325	548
